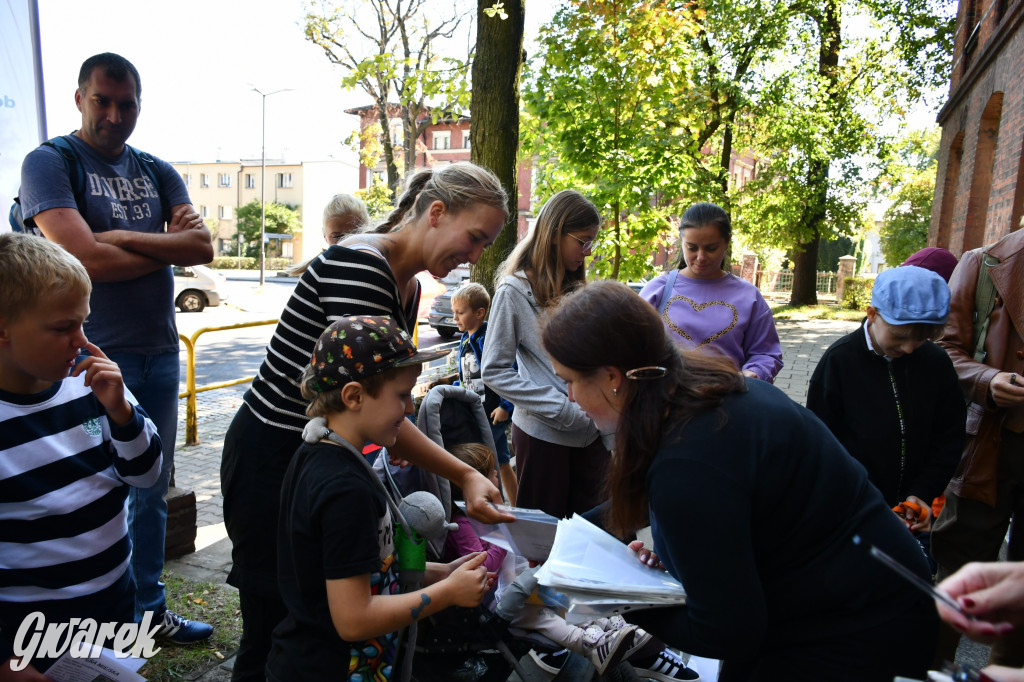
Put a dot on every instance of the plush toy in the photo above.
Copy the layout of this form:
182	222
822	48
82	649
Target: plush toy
425	515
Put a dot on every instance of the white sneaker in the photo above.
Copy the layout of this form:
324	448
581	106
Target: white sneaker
611	648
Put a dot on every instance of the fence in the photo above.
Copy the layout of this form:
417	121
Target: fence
781	282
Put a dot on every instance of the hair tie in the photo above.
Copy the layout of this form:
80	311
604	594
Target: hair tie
646	373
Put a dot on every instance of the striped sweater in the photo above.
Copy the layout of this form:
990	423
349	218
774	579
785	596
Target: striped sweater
339	283
64	477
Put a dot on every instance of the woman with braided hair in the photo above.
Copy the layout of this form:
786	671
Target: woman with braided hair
444	218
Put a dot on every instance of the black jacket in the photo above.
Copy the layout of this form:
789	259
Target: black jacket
851	390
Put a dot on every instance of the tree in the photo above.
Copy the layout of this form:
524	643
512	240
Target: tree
494	135
611	103
281	219
388	49
905	225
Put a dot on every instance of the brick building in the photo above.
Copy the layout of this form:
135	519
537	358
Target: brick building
440	144
979	190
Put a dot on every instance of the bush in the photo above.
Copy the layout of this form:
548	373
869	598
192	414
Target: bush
857	294
232	263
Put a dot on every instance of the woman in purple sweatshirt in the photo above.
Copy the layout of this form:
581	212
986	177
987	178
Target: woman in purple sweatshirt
703	305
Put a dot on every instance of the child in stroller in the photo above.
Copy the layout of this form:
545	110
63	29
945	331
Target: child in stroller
454	417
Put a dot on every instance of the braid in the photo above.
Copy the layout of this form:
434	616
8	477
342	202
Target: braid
414	184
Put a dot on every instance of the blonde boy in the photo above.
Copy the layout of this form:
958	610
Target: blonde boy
336	541
73	440
469	308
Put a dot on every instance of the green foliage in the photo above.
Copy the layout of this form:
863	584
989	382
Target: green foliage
607	110
905	224
377	197
390	49
857	294
280	219
249	263
498	9
830	252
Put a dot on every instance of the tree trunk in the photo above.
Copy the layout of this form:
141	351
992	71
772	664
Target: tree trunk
389	150
494	132
805	258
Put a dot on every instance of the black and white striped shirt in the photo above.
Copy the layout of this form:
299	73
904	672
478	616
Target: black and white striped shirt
341	282
64	477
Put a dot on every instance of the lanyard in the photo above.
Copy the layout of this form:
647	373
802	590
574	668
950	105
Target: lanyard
903	428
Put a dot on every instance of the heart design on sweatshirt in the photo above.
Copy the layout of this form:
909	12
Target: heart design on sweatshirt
698	307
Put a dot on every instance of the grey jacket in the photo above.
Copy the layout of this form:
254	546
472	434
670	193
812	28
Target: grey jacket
541	398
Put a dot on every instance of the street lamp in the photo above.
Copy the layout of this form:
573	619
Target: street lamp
263	179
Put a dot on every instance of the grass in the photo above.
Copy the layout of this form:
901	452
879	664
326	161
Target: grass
202	601
815	312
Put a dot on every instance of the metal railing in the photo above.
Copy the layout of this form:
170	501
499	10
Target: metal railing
191	390
781	281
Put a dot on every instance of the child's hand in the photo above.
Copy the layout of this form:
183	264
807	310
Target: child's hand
469	582
103	376
646	556
499	415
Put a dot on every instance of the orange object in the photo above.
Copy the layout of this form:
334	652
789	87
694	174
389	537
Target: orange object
920	513
937	504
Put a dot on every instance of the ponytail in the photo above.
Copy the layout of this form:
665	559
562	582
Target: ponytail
457	186
414	184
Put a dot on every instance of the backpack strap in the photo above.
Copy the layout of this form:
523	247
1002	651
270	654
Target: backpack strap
666	297
984	302
76	177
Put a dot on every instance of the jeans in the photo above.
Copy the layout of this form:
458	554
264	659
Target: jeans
153	380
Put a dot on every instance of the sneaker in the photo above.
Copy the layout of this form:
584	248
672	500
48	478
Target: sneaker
182	630
667	666
551	662
611	648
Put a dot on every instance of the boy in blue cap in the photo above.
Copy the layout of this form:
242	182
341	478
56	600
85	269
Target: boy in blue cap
891	397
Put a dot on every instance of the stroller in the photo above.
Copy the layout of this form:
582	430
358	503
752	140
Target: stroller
459	643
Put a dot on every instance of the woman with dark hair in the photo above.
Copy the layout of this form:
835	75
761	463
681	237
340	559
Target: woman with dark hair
752	502
444	218
705	306
560	459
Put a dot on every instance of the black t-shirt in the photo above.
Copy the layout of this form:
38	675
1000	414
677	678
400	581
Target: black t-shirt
335	523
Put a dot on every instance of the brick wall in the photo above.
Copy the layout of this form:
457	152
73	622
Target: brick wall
979	189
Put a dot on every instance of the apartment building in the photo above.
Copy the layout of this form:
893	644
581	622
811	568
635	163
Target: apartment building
979	190
219	188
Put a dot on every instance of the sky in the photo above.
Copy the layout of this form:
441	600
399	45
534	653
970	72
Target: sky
198	61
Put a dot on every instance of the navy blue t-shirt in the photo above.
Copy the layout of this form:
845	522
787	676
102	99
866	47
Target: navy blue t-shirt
136	315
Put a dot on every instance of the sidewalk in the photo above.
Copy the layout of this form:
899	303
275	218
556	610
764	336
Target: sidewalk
197	467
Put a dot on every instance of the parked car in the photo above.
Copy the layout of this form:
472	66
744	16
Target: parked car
440	316
198	286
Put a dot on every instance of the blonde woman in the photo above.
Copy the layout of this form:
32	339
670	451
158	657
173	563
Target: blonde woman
560	459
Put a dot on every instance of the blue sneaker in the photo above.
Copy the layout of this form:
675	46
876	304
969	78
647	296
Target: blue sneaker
182	630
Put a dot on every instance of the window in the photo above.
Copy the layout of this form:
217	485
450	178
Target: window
379	177
187	179
202	211
250	181
224	212
204	180
442	140
465	138
224	179
284	179
396	131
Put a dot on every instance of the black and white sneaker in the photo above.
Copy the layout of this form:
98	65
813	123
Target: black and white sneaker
552	662
666	666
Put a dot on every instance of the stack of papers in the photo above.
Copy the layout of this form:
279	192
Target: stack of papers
600	576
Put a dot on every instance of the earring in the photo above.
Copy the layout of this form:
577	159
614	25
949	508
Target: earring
615	391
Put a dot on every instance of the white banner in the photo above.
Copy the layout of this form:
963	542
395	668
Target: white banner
20	126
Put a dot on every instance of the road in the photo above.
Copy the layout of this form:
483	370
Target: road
237	353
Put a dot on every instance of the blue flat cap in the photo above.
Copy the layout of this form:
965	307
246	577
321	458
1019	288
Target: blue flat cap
911	295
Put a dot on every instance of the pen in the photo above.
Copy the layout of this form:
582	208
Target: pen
912	577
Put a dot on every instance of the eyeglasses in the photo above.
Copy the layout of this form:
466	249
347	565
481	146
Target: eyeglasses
585	244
